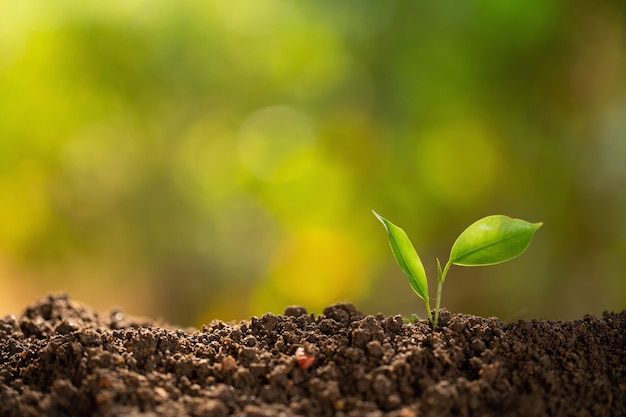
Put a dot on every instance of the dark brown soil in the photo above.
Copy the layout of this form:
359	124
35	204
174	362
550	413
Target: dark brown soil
61	358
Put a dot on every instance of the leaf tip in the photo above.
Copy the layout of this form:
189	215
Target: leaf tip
379	217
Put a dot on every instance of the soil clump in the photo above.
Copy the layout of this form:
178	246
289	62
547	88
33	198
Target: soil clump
61	358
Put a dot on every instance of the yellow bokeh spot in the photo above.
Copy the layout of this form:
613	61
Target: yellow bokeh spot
314	268
23	207
206	160
253	17
309	62
459	163
276	144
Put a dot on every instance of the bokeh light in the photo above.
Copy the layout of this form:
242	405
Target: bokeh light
201	160
275	144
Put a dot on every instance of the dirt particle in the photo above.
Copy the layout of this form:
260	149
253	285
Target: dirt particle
254	411
375	349
66	327
161	393
278	376
394	324
229	364
295	311
329	326
249	341
477	345
270	322
360	337
343	313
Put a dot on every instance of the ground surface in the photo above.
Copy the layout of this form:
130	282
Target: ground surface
60	358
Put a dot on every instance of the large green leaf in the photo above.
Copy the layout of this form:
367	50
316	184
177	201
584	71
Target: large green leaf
407	257
492	240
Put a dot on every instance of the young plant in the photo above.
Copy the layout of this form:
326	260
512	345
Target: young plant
489	241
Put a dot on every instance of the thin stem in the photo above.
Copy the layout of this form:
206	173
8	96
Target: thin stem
430	314
438	302
441	277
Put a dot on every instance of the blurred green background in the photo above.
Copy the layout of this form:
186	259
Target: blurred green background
199	160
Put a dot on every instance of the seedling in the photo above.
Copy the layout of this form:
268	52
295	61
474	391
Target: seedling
489	241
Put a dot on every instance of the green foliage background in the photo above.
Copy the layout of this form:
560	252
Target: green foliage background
199	160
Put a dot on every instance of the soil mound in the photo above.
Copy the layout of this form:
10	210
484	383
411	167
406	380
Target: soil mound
61	358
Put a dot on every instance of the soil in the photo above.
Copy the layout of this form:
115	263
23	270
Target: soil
61	358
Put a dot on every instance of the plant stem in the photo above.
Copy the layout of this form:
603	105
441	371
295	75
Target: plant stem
441	277
438	302
430	314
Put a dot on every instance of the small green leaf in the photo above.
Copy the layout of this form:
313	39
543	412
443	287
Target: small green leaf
407	257
492	240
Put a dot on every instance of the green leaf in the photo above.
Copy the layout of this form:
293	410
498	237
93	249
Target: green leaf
492	240
407	257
